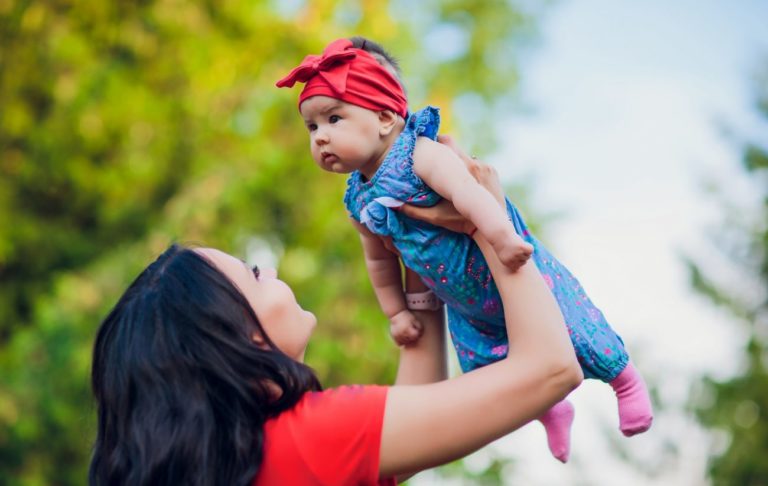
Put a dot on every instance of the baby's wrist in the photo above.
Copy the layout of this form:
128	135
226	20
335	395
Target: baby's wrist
423	301
399	314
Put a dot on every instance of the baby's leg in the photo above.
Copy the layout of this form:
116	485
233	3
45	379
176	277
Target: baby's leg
557	423
480	342
599	349
477	343
602	355
635	409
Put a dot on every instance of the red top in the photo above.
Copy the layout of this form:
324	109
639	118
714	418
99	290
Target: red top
330	437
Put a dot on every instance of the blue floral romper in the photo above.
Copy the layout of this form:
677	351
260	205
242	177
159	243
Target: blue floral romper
452	265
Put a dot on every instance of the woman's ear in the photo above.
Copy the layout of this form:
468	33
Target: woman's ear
387	122
257	338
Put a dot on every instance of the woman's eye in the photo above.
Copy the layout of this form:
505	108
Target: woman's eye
334	118
256	272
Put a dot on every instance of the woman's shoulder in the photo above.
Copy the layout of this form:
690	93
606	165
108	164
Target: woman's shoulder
312	442
344	392
326	409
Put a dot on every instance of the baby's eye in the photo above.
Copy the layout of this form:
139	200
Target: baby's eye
334	118
311	127
256	272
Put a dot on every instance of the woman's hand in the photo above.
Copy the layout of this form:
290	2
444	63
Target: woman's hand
443	214
484	174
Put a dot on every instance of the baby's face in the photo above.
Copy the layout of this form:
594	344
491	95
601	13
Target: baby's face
343	137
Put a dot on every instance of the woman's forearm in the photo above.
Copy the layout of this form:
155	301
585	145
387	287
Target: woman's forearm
425	360
540	370
535	325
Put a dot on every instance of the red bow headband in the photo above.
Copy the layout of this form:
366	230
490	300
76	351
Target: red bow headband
351	75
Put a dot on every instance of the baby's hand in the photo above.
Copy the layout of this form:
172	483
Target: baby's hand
405	328
513	251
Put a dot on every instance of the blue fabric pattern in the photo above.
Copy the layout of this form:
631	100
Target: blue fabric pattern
452	265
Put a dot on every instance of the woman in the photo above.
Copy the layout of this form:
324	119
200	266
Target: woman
199	377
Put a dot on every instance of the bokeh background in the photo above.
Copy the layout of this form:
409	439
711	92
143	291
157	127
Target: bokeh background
632	134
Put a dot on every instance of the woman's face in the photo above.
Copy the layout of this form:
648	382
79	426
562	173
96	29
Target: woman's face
285	322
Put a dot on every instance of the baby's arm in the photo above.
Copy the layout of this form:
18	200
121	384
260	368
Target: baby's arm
444	172
386	277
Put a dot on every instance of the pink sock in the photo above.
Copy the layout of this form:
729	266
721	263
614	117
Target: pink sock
557	422
635	410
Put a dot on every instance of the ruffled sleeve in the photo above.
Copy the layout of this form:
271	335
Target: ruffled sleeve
379	216
425	122
351	196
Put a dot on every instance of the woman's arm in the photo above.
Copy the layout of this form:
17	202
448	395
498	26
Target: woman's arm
429	425
424	361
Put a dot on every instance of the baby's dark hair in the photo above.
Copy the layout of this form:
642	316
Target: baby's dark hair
379	53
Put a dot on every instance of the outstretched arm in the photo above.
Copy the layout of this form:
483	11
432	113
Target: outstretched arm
444	172
429	425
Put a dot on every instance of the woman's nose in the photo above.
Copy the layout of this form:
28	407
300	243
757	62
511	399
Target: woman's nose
268	273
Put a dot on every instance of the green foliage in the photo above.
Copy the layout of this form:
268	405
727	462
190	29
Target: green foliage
126	126
739	406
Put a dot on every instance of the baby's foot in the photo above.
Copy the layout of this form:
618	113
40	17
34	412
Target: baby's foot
557	422
635	409
405	328
513	251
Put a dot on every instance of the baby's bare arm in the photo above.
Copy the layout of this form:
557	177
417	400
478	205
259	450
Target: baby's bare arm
384	271
483	173
444	172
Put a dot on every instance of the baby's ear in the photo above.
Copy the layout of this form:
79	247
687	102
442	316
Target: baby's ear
387	122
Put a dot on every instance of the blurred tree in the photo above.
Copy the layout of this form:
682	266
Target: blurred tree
128	125
739	406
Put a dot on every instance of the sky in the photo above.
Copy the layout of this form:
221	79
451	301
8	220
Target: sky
626	108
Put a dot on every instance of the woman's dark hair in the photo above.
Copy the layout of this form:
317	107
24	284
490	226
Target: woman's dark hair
379	53
182	389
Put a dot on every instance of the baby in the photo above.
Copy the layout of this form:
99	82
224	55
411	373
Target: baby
356	112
